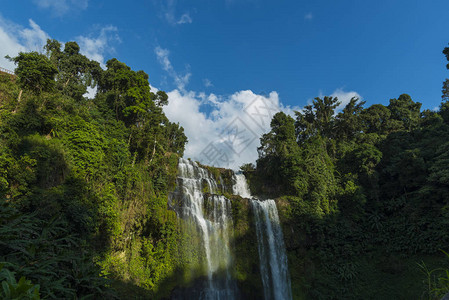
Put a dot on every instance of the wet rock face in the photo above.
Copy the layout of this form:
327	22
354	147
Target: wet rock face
231	246
207	236
273	265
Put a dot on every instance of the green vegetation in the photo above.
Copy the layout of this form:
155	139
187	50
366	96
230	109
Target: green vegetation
223	177
363	196
437	279
11	289
84	182
84	186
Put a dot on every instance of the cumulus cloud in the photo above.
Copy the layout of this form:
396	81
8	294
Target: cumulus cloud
34	37
95	46
228	134
344	97
15	39
61	7
225	131
222	130
181	80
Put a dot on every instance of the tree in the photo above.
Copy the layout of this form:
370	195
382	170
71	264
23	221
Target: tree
128	95
363	159
176	139
127	92
281	139
76	71
406	111
348	122
445	91
376	119
279	153
35	72
316	119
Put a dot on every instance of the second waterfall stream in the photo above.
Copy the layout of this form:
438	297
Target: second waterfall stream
208	233
270	243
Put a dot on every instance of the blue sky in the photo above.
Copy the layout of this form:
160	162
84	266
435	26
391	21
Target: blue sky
216	57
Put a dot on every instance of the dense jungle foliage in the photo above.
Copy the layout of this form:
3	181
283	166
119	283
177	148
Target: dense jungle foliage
84	182
364	196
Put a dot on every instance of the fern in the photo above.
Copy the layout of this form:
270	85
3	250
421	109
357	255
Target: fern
45	253
436	280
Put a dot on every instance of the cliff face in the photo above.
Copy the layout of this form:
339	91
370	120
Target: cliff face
218	244
247	268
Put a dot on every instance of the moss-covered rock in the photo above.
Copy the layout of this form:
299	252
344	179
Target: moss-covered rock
223	177
246	260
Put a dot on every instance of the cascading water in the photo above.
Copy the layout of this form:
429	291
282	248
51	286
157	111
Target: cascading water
273	259
208	229
270	240
240	186
208	215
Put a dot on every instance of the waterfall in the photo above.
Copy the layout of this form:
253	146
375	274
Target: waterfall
272	256
241	187
208	215
270	242
207	232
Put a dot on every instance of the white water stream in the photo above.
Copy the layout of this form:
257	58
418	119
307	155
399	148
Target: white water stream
270	243
207	215
212	216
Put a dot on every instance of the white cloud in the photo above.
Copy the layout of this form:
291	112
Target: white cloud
61	7
308	16
95	47
232	127
207	82
344	97
168	7
185	19
180	80
10	47
91	92
34	38
222	130
162	56
225	131
15	39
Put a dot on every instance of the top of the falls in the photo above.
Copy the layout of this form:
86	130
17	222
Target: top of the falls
241	187
190	169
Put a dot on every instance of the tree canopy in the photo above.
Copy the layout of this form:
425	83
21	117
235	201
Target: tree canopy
362	184
79	176
35	72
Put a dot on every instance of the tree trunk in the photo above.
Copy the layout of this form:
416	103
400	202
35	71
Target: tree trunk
18	101
154	150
